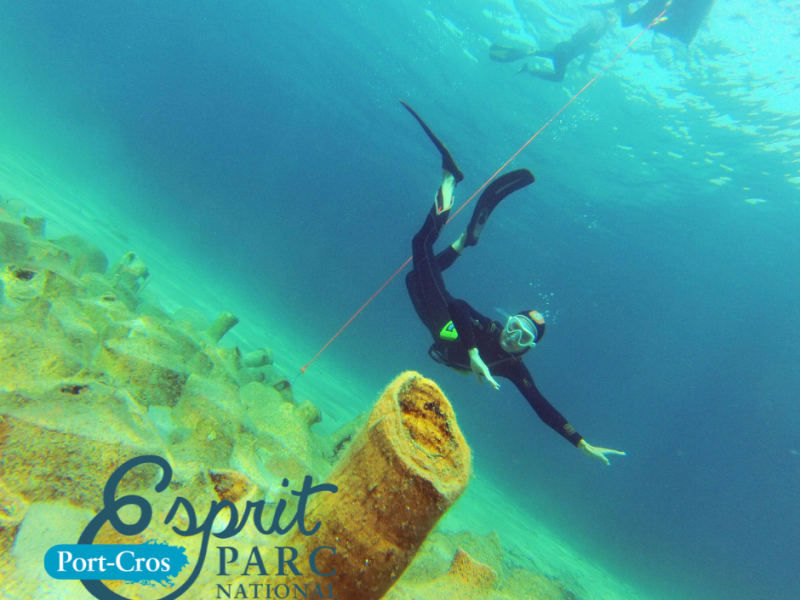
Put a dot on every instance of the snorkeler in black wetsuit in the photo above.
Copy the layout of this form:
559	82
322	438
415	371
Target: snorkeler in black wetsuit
583	42
464	339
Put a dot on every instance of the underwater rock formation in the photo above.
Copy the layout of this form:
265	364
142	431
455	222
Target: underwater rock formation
14	239
12	511
85	256
95	372
404	469
63	443
473	567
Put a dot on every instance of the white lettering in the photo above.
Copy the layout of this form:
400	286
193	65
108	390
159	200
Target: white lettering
61	554
119	564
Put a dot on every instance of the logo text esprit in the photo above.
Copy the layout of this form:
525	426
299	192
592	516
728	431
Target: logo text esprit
152	562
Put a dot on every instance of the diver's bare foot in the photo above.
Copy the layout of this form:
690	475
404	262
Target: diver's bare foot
460	243
444	195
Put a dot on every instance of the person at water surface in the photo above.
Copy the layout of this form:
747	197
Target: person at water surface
681	19
582	43
463	338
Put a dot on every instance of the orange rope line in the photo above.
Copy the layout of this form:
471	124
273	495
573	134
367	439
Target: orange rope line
350	320
488	181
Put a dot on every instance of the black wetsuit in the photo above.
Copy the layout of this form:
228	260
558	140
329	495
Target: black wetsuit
437	308
564	52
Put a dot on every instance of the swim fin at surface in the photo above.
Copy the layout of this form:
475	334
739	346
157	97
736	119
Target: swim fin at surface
448	164
491	197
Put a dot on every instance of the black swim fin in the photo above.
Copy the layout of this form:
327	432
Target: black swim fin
491	197
506	54
448	164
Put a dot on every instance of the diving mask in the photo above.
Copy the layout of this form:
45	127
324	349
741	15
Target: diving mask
518	335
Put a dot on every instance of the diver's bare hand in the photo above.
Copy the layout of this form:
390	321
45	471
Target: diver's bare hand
598	453
480	369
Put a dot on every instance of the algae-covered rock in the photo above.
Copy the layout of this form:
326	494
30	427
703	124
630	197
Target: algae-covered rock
264	458
46	524
34	349
282	429
474	567
14	240
151	359
46	255
222	363
191	319
130	272
230	485
309	413
129	277
64	443
21	286
466	578
211	412
436	556
151	307
149	381
271	376
35	225
85	257
12	511
338	441
470	573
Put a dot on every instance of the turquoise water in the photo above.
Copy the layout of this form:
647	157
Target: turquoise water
266	143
